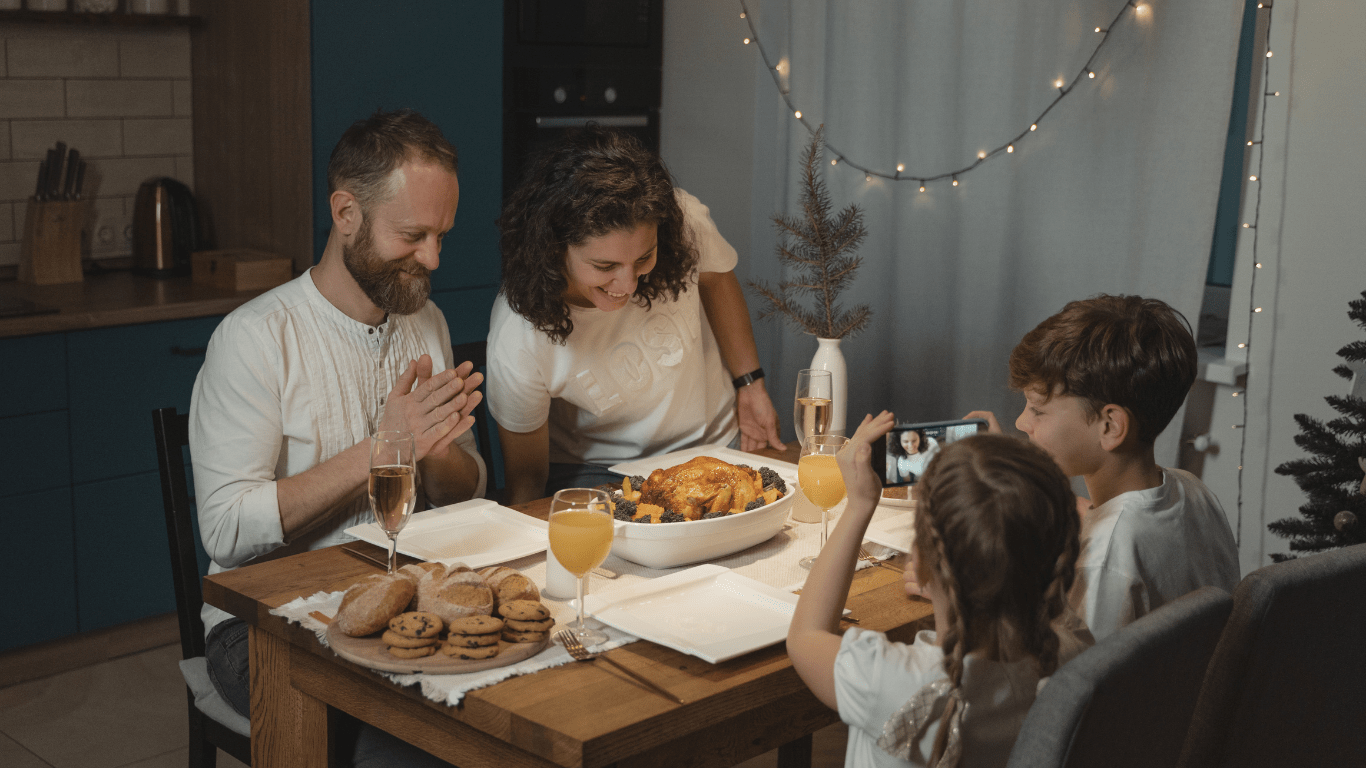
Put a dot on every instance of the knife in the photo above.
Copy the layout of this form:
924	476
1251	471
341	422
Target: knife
49	170
54	176
80	180
42	180
73	160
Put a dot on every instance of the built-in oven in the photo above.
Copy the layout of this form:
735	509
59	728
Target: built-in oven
569	62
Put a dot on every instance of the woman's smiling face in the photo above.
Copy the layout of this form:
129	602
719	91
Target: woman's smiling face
910	441
602	271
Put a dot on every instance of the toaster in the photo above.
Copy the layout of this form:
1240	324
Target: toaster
165	228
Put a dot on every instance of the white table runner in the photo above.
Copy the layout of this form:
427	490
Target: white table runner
773	562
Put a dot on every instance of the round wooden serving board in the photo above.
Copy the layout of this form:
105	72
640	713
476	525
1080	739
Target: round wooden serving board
373	653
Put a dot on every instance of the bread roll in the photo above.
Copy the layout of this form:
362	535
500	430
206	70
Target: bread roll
509	584
368	604
460	594
418	573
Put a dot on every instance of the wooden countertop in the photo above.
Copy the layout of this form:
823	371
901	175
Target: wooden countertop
115	298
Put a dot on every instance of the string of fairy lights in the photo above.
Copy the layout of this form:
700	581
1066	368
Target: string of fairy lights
1252	309
1064	87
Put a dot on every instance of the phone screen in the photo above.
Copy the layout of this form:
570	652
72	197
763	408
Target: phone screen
910	448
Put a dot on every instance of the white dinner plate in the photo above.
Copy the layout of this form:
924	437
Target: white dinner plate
896	532
707	611
478	532
644	467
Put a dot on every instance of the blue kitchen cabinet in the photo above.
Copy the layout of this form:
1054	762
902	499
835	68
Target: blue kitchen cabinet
35	374
123	561
444	60
38	571
35	451
118	377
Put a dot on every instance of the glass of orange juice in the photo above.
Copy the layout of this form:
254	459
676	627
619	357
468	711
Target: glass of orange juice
820	479
581	531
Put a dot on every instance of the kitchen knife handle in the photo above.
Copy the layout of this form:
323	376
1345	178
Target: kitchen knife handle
42	180
80	179
69	186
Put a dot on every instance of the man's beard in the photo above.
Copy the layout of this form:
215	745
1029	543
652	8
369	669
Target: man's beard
384	282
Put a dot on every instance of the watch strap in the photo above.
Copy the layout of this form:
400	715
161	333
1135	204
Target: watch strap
748	378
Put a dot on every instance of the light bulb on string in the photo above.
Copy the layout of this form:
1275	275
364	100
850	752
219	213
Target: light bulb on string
922	187
867	177
747	41
1268	54
1252	178
834	161
1242	346
1010	148
981	155
1034	127
900	167
1057	83
1090	74
742	14
1141	9
1098	29
1258	265
797	114
1258	309
955	181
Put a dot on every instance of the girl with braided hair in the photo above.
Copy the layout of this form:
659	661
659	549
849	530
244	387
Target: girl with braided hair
994	551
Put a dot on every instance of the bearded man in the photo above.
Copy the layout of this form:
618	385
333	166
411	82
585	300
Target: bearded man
296	381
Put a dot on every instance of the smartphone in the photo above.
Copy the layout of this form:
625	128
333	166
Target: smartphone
909	448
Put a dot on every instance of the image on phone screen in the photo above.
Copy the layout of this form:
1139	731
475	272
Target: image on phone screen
911	447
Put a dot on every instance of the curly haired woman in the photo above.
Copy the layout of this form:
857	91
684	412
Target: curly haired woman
621	330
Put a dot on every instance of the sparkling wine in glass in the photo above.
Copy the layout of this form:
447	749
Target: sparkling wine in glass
820	479
393	486
581	530
812	409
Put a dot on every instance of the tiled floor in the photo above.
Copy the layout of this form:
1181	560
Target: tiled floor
130	713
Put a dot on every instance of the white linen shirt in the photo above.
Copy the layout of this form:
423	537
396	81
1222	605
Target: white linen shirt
625	384
288	382
1143	549
874	677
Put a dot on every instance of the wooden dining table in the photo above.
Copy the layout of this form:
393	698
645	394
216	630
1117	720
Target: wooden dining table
572	715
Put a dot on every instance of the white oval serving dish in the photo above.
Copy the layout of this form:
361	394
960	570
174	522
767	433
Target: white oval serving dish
668	545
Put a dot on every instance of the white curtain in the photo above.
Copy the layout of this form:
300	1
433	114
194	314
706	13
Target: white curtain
1114	193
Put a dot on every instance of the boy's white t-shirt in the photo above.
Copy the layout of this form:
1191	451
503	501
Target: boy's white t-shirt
874	677
1143	549
626	384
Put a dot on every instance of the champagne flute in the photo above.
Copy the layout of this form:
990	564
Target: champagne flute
811	408
393	487
581	530
820	479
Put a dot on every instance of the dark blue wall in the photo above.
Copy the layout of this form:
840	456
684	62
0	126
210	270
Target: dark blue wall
1226	221
445	60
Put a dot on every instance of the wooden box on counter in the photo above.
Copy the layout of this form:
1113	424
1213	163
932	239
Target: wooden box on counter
51	249
240	269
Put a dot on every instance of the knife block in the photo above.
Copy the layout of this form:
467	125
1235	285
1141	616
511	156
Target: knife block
51	248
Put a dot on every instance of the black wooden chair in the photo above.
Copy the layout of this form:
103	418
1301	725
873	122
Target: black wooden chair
477	353
213	723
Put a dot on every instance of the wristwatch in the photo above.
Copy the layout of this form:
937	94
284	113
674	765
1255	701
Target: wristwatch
748	378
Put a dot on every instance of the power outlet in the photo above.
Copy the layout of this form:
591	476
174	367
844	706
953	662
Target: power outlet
111	233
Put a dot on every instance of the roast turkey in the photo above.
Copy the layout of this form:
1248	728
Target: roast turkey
702	485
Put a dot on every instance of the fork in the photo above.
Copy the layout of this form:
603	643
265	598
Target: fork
571	643
863	554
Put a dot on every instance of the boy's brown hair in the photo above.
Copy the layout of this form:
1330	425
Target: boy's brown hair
1133	352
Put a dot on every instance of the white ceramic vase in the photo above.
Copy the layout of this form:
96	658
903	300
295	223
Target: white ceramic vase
829	358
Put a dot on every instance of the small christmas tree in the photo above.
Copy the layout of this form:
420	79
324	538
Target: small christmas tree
1334	514
821	251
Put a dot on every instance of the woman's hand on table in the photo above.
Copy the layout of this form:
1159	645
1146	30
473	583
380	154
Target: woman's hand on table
861	483
758	419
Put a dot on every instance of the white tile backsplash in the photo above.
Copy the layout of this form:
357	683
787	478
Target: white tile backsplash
120	95
32	98
94	138
80	55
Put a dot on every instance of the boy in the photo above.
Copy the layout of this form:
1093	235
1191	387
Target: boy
1101	379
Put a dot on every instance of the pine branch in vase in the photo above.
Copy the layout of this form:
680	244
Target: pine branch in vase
818	252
